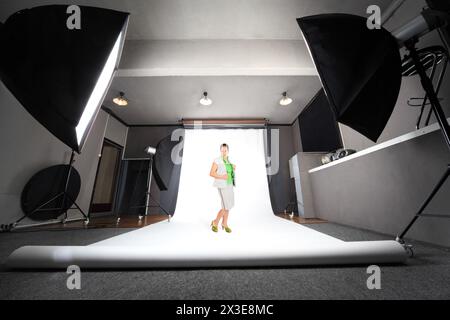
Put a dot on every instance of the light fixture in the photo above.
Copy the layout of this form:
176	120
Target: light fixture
73	68
121	100
285	100
150	150
205	101
69	70
363	82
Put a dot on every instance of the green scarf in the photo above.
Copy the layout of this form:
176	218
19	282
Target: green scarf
230	171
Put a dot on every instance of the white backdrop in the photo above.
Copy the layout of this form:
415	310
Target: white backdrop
259	238
198	200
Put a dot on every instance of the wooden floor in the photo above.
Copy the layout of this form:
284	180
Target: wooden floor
134	222
300	220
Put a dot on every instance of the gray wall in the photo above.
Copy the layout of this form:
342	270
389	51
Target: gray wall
27	147
382	191
116	131
296	137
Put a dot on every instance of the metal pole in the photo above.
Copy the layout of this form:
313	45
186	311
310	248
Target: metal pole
149	181
429	89
72	155
425	204
445	128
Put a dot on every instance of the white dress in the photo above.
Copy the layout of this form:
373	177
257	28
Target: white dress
226	191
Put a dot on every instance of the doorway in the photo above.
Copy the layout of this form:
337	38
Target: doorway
105	187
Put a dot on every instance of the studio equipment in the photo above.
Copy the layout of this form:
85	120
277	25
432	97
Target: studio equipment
360	70
160	166
60	75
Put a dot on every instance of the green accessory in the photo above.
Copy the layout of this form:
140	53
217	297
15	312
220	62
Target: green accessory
230	171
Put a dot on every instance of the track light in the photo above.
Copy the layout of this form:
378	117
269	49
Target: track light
121	100
205	101
285	100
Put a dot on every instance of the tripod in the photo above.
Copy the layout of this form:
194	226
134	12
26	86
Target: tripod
445	129
64	196
148	195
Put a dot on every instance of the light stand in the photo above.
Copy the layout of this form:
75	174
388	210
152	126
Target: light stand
443	124
148	196
43	207
363	97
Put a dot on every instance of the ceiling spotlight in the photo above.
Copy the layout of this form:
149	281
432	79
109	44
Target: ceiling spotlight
120	100
285	100
205	101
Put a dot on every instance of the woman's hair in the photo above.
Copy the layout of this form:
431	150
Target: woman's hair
224	145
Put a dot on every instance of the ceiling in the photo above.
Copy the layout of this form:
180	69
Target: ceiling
164	100
165	97
210	19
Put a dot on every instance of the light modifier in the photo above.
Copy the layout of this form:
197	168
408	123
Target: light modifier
360	71
359	68
61	75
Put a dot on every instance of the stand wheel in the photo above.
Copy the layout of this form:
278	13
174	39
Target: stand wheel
7	227
86	222
140	218
118	221
409	251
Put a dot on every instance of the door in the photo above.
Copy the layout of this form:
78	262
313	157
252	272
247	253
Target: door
105	186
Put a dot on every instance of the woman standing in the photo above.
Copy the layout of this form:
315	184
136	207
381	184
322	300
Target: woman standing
223	172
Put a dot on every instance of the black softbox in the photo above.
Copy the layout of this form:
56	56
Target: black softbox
163	164
360	69
60	75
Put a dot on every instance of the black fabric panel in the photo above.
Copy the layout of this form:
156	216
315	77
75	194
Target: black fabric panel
318	127
52	70
132	187
360	69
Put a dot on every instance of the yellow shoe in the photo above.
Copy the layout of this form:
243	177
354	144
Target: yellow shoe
227	229
213	227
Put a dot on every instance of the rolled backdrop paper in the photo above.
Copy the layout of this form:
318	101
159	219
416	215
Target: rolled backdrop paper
258	238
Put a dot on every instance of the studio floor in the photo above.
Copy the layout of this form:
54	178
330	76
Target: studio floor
425	276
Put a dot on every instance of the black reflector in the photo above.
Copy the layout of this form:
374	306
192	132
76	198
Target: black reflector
46	185
61	75
360	69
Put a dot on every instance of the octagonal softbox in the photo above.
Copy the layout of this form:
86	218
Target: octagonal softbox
61	74
360	69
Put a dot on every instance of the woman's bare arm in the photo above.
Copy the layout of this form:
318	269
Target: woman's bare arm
213	172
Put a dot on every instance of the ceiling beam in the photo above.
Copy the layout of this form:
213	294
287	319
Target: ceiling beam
157	58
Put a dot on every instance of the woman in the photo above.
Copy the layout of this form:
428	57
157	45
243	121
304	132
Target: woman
223	172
